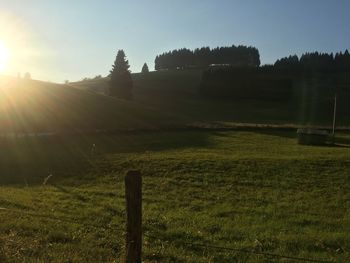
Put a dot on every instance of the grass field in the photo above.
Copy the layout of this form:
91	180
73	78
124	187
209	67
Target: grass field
255	190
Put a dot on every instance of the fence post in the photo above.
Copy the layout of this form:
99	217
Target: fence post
133	196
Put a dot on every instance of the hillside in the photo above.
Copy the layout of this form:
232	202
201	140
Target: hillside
161	99
34	106
175	92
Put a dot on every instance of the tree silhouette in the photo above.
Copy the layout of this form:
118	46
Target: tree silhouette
121	81
314	62
157	63
145	69
322	73
241	56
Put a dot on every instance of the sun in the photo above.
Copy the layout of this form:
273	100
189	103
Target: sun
4	56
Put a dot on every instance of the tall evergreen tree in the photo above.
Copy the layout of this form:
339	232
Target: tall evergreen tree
121	81
156	63
145	69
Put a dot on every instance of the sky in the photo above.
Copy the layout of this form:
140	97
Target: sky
57	40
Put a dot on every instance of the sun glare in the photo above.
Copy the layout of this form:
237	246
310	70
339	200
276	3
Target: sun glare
4	57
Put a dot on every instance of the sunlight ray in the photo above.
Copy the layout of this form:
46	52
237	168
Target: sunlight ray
4	56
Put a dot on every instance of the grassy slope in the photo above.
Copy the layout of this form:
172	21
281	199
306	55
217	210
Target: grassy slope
161	99
258	191
254	190
176	93
33	106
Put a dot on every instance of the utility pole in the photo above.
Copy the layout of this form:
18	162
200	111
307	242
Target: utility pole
334	115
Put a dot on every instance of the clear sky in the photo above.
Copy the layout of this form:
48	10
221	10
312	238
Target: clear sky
70	39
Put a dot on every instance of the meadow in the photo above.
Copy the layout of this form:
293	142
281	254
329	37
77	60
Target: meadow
237	194
254	190
244	155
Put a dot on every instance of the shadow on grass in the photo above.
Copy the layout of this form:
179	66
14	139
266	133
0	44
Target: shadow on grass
151	141
341	145
26	161
284	133
290	134
342	141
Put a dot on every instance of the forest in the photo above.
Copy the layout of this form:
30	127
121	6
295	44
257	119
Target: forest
241	56
318	74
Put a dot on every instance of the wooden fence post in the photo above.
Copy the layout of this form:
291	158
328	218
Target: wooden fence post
133	196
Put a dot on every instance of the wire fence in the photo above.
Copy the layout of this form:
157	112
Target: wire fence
173	242
242	250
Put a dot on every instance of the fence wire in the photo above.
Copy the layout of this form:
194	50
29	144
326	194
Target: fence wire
174	242
240	250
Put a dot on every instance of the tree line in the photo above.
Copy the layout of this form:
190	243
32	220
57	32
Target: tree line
315	61
121	84
237	70
316	74
203	57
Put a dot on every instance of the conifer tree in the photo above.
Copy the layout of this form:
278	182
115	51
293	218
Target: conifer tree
145	69
156	63
121	81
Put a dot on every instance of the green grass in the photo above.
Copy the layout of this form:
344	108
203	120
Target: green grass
255	190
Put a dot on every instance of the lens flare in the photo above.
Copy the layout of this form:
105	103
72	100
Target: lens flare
4	56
